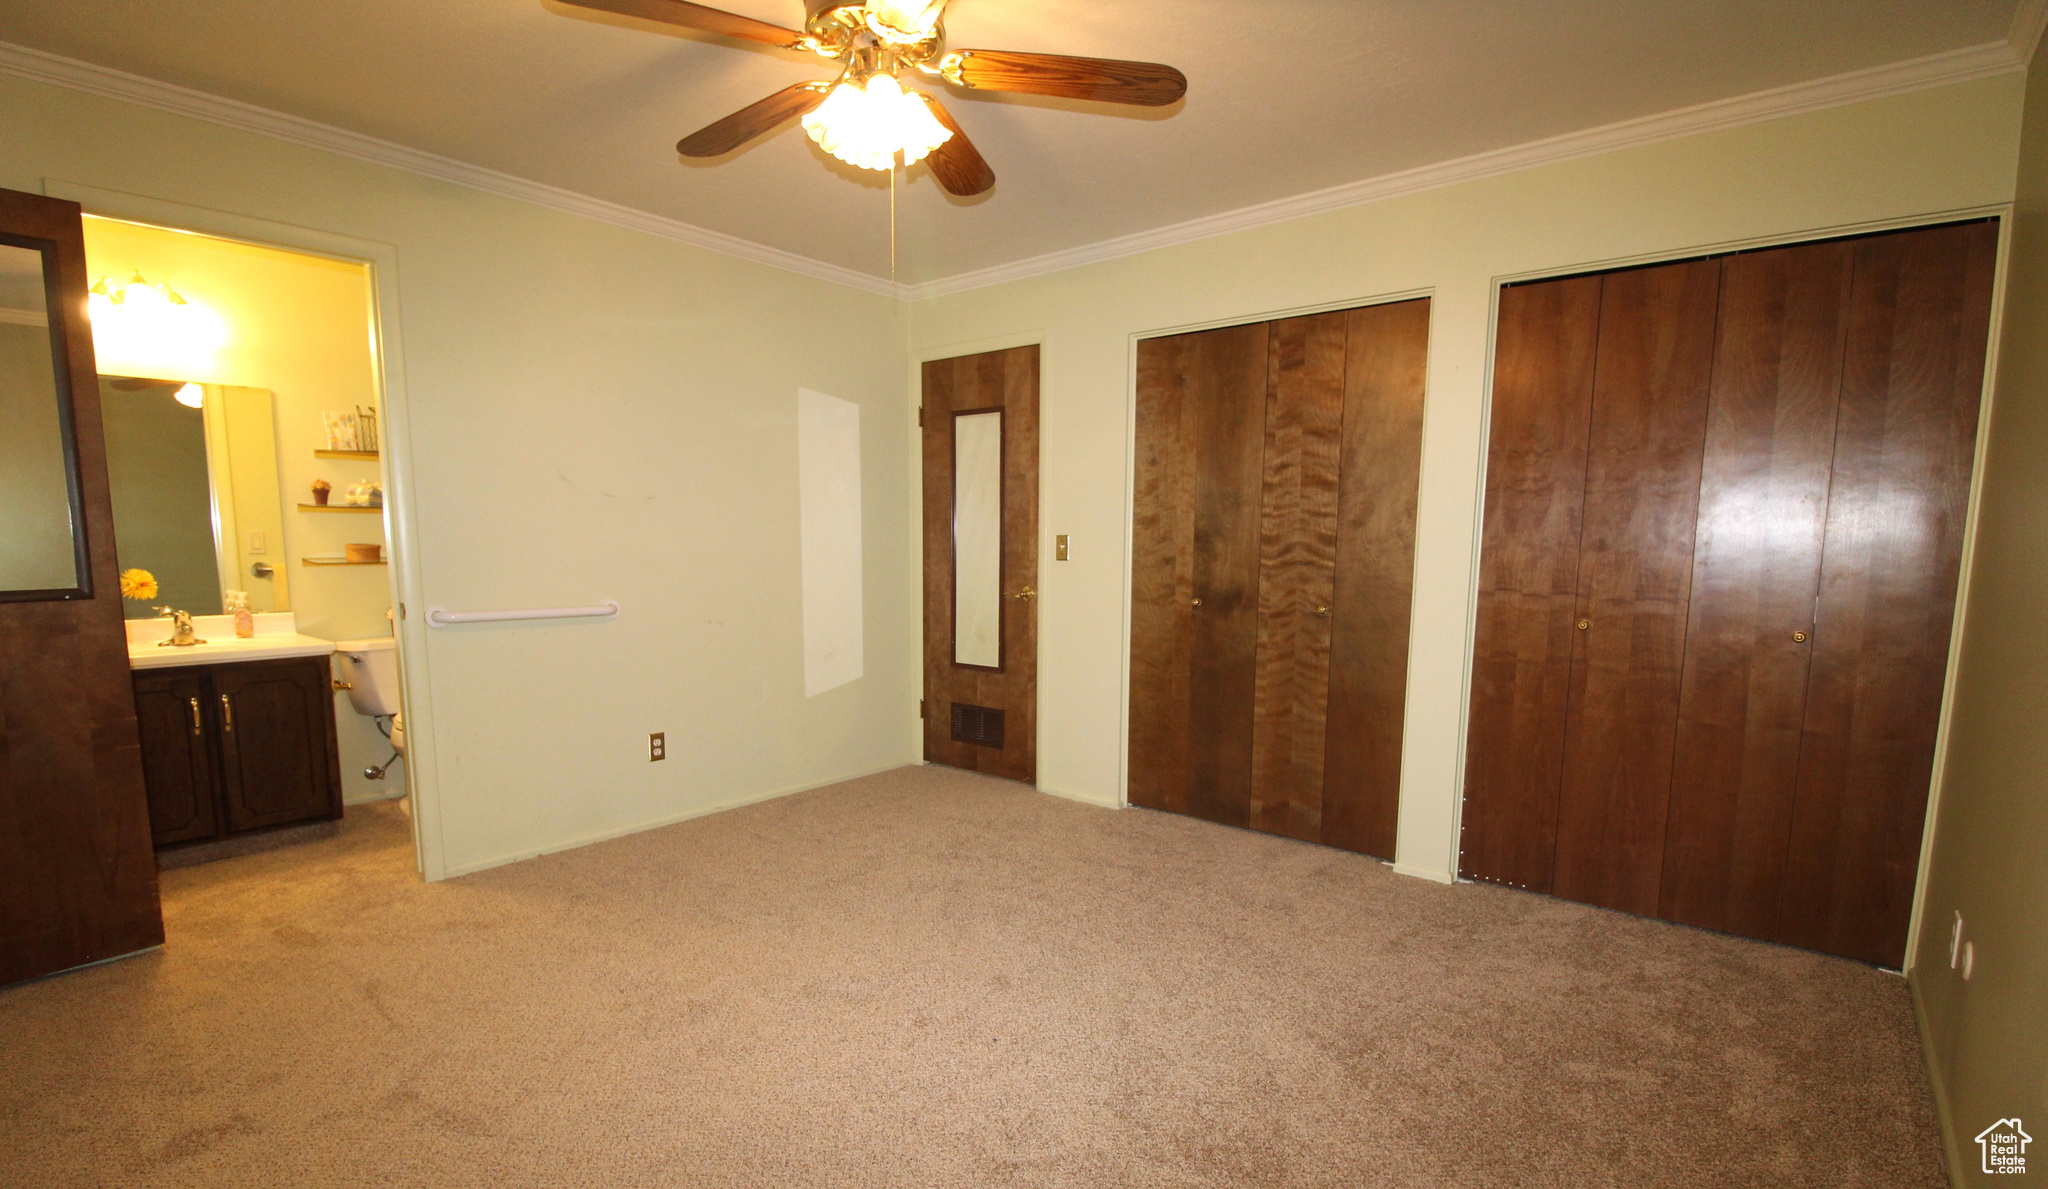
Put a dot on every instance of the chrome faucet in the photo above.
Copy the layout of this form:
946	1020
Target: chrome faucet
181	629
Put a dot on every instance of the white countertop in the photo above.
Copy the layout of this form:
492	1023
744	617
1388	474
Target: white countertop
277	635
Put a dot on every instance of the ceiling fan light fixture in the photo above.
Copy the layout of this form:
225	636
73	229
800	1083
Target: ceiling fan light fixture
902	22
868	124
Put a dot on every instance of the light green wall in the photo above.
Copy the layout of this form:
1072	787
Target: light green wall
1905	156
163	507
594	413
1988	1037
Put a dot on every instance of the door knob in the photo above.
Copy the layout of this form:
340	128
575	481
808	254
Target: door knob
261	569
1584	624
1027	594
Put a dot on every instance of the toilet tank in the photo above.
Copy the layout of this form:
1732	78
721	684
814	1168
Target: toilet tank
371	668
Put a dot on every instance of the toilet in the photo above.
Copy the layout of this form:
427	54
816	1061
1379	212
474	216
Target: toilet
370	667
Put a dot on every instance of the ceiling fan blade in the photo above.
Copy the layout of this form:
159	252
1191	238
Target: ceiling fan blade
697	16
1108	80
718	139
957	163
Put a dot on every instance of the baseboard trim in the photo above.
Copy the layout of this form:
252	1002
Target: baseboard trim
656	823
1944	1117
1429	873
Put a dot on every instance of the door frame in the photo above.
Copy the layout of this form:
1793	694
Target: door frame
2003	212
388	373
1130	497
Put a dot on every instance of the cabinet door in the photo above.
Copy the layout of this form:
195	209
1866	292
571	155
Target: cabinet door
177	755
278	761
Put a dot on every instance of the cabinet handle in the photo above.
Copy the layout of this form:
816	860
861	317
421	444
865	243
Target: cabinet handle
227	714
1799	637
195	716
1585	624
1321	609
1196	603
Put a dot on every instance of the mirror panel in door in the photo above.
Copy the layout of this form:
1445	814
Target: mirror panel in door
978	539
42	537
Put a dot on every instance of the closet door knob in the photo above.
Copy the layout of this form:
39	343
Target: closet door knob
1799	637
1585	624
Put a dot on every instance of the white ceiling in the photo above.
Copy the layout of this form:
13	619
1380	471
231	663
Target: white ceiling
1284	97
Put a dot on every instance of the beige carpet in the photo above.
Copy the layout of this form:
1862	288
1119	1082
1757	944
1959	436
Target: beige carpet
929	978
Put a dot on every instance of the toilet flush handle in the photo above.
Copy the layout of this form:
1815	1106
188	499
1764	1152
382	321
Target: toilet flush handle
340	685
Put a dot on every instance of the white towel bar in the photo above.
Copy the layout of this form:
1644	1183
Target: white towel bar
441	617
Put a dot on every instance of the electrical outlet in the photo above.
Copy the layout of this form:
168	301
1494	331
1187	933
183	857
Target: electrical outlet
657	746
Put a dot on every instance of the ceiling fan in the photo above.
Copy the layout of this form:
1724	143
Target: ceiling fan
866	116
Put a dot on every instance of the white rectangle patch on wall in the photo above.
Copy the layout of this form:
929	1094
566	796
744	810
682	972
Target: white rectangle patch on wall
828	500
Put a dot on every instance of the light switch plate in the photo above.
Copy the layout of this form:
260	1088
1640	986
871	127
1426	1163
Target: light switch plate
257	544
1059	547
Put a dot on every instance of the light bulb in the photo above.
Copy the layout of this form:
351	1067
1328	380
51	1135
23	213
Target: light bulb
192	396
868	125
143	299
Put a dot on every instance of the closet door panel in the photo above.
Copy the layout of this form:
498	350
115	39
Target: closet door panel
1756	566
1644	450
1214	383
1297	563
1528	579
1162	578
1912	378
1386	360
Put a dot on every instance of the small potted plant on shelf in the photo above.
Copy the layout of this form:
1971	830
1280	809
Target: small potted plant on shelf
320	489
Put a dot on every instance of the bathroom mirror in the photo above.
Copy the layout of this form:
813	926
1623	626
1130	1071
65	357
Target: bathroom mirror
193	473
42	519
978	538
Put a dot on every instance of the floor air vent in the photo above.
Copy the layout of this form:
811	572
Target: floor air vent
979	725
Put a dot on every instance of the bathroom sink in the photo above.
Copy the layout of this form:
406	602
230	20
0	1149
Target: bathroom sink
277	635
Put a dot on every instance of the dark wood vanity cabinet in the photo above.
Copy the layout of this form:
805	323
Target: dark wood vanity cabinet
231	749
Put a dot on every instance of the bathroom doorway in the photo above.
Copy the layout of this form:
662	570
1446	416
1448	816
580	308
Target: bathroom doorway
242	403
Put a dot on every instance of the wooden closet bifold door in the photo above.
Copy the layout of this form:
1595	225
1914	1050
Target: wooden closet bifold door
1195	571
1734	727
1912	377
1297	572
1373	595
1272	571
1643	451
1528	580
1756	567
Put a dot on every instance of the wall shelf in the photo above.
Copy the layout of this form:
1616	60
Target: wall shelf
341	561
341	507
370	454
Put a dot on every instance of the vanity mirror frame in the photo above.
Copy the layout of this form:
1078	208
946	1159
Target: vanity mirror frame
60	319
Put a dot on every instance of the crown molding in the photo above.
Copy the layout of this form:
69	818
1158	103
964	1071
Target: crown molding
1934	70
2028	20
1952	66
23	62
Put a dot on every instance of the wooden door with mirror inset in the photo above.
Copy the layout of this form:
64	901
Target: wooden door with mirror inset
980	421
77	876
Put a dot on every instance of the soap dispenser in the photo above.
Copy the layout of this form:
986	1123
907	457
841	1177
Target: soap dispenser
238	605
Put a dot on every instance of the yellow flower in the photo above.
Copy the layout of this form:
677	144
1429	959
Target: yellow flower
138	584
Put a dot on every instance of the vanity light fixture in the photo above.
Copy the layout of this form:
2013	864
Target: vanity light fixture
191	395
147	328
